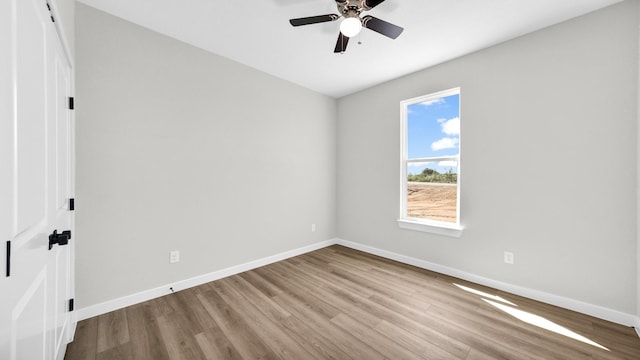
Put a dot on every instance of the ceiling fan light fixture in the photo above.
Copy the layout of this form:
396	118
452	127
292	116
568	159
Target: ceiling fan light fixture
350	26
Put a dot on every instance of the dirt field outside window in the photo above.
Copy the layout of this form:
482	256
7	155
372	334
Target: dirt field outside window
432	201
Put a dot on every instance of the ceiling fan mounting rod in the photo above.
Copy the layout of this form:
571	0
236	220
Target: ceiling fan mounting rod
350	8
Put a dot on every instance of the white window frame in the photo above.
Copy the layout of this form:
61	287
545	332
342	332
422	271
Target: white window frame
426	225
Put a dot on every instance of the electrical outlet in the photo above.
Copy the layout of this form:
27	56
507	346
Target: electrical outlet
174	257
313	227
508	257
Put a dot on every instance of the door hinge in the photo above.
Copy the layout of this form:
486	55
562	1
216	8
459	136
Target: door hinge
8	258
71	103
71	304
50	13
61	239
72	204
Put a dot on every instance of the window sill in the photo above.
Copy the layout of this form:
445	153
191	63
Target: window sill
434	227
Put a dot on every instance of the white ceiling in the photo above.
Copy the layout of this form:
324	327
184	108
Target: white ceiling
257	33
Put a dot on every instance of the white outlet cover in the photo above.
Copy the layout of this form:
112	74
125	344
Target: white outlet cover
508	257
174	257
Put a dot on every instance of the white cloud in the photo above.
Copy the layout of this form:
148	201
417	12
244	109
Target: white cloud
419	164
450	127
445	143
433	102
448	163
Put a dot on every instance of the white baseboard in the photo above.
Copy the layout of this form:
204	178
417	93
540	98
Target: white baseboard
560	301
567	303
115	304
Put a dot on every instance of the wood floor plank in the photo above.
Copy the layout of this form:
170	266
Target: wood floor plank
616	333
145	337
345	301
251	294
416	323
265	287
112	330
120	352
513	341
192	310
298	330
178	337
85	342
243	338
276	337
570	349
301	292
417	344
340	303
160	306
475	354
215	345
345	341
311	269
325	348
564	317
381	343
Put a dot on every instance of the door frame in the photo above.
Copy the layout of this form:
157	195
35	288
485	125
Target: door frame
66	49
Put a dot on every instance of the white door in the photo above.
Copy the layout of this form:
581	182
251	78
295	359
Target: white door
62	136
36	184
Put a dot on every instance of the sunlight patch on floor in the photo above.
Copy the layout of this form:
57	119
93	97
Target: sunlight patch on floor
484	294
543	323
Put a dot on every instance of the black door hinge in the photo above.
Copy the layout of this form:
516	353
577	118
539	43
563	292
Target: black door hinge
71	304
71	103
72	204
61	239
8	258
50	13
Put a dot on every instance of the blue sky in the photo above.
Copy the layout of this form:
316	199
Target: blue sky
434	130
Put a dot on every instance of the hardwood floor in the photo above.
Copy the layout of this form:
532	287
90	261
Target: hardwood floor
338	303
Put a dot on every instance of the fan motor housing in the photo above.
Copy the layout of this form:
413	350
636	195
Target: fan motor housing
350	8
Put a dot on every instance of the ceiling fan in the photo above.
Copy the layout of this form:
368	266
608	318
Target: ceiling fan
350	10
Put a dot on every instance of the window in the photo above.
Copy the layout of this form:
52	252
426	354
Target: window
430	164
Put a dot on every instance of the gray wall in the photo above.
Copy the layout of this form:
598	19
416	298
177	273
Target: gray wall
549	135
179	149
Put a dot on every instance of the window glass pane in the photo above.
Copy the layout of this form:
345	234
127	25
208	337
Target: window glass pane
432	190
431	154
433	127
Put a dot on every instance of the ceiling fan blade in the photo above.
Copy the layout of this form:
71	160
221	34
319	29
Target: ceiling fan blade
341	44
381	26
314	19
370	4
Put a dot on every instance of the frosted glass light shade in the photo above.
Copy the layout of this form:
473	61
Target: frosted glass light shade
350	26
